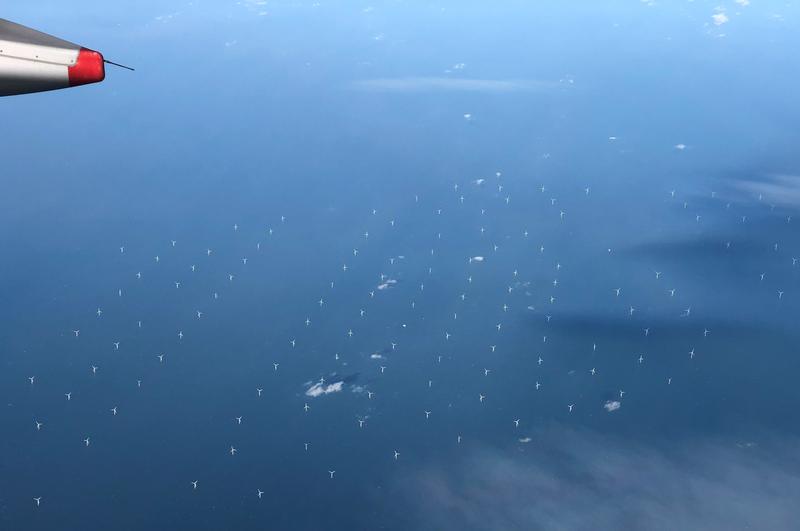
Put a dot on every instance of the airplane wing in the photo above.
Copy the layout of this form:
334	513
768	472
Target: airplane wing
32	61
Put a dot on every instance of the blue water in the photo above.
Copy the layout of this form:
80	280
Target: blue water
402	139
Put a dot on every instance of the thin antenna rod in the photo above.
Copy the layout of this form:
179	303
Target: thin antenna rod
119	65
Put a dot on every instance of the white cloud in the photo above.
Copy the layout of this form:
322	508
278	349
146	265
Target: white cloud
719	18
580	480
319	389
388	284
256	6
167	17
612	405
778	190
424	84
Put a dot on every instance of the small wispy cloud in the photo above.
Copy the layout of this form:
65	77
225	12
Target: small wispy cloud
319	389
777	190
581	480
166	17
612	405
719	19
387	284
427	84
256	6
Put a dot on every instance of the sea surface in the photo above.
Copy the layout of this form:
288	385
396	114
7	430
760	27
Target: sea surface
450	265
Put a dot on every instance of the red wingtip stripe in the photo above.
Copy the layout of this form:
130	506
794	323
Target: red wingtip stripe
89	68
